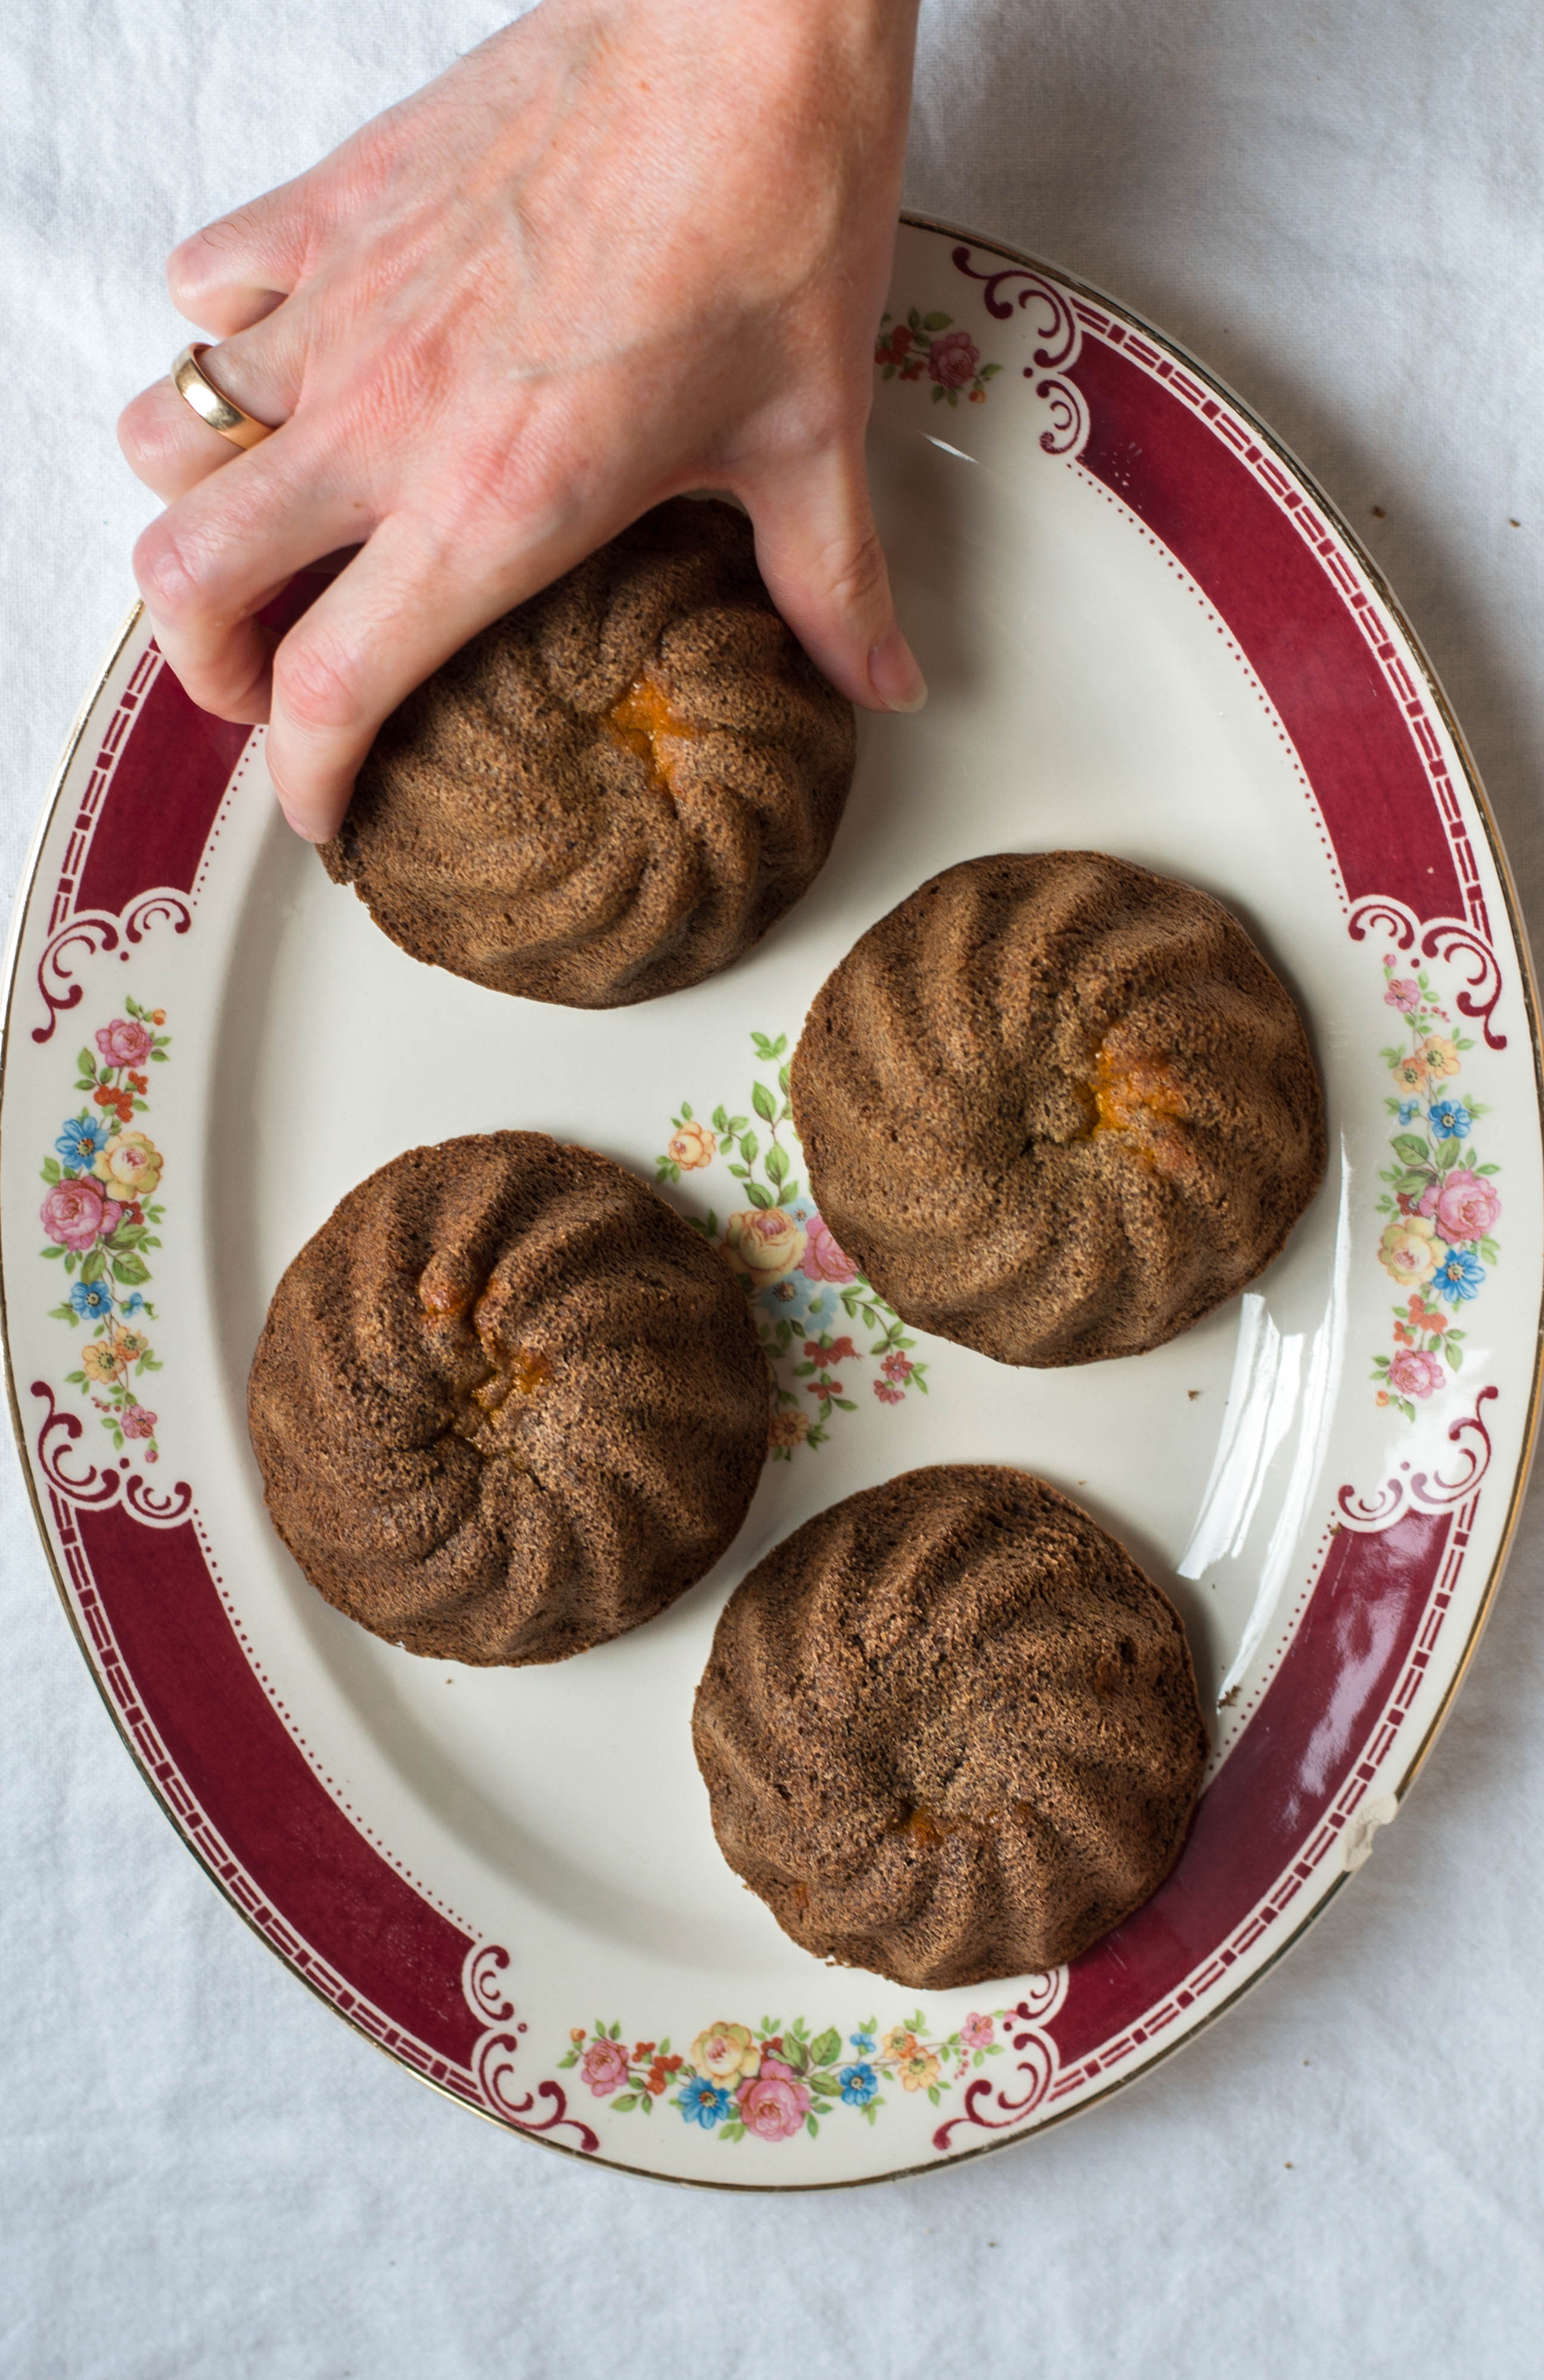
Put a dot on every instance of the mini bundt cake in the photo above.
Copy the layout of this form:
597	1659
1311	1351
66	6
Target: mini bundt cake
949	1731
1057	1108
615	789
507	1404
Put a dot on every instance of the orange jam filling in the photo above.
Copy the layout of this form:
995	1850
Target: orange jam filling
440	1300
487	1411
1139	1093
642	720
517	1375
489	1414
529	1370
925	1828
1128	1094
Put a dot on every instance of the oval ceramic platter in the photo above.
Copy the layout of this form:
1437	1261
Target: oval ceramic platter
1145	633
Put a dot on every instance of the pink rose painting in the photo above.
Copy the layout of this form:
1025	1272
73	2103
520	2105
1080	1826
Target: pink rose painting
774	2104
1437	1242
804	1286
1466	1206
125	1043
774	2085
1414	1374
933	344
103	1231
604	2068
823	1260
953	359
76	1215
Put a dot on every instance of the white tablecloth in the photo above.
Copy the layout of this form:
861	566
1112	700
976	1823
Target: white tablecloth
1338	206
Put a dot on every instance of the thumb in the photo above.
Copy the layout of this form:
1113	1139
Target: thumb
825	569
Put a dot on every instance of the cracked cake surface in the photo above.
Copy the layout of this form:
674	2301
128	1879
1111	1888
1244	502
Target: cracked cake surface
506	1402
615	789
1057	1107
949	1731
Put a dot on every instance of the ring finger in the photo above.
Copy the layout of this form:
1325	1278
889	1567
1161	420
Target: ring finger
171	447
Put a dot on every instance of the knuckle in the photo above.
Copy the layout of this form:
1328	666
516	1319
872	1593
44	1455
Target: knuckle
172	576
142	430
373	155
489	482
373	417
857	572
497	491
185	282
210	259
504	496
193	271
316	681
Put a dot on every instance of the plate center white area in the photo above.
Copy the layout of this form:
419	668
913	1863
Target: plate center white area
1081	696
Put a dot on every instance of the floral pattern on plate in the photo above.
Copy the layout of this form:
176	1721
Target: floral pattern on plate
774	2082
932	344
1440	1200
99	1213
799	1282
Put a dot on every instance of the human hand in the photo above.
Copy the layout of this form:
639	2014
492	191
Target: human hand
624	248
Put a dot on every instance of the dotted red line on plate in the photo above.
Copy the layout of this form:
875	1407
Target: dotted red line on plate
1239	1714
1338	566
249	752
408	1875
1204	604
1325	1842
207	1845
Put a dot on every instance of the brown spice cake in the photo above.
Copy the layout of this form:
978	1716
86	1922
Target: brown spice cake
506	1403
1057	1108
615	789
949	1731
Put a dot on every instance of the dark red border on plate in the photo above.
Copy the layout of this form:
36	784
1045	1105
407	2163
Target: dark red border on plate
1268	581
220	1735
172	743
166	765
1277	1784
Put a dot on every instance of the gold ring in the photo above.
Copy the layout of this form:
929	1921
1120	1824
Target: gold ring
200	393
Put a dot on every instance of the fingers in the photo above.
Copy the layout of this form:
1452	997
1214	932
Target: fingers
227	545
403	607
167	445
823	565
234	271
171	448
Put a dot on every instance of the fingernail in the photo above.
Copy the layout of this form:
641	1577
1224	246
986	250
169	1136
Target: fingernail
894	674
